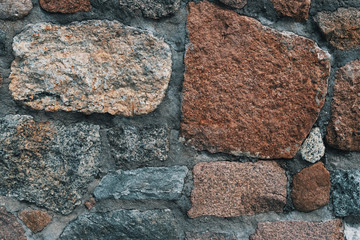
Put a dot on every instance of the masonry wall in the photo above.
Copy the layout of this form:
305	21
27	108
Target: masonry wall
227	119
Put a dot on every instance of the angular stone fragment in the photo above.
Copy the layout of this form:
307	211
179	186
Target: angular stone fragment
341	28
36	220
164	183
48	163
344	127
209	236
91	66
311	188
249	89
123	224
10	228
66	6
89	204
345	192
298	9
229	189
152	8
14	9
313	149
279	230
235	3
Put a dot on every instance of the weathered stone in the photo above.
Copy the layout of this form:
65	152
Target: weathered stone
313	149
345	192
249	89
341	28
66	6
36	220
91	66
123	224
14	9
89	204
235	3
2	42
311	188
152	8
10	228
352	231
209	236
48	163
329	230
298	9
230	189
145	183
344	127
139	144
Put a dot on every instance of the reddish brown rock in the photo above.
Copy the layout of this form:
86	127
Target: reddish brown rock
344	127
65	6
311	188
330	230
10	228
230	189
341	28
235	3
89	204
249	89
298	9
36	220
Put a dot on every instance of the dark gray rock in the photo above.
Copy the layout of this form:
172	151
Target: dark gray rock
145	183
123	224
48	163
209	236
152	8
2	42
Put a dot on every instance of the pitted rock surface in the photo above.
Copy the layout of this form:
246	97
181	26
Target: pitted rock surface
10	228
341	28
36	220
15	9
313	148
92	66
209	236
48	163
65	6
152	8
235	3
298	9
229	189
344	127
249	89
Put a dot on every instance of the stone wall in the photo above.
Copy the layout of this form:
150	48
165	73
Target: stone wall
154	119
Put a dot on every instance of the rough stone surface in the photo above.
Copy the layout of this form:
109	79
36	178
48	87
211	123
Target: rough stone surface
352	231
345	192
10	228
48	163
89	204
235	3
209	236
152	8
145	183
341	28
66	6
249	89
123	224
298	9
139	144
229	189
344	127
36	220
311	188
313	148
91	66
14	9
330	230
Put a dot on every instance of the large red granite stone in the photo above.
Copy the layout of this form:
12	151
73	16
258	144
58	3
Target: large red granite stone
230	189
36	220
249	89
65	6
298	9
10	228
344	127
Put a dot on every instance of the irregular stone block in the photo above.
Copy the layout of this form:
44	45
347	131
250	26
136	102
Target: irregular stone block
279	230
344	127
65	6
209	236
313	148
235	3
152	8
230	189
311	188
298	9
249	89
145	183
89	204
91	66
341	28
10	228
123	224
352	231
48	163
36	220
15	9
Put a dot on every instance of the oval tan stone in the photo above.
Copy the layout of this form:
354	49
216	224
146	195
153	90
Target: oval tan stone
90	67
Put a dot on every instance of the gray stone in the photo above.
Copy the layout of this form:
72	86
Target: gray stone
352	231
14	9
152	8
209	236
124	224
164	183
313	149
91	66
346	192
48	163
235	3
